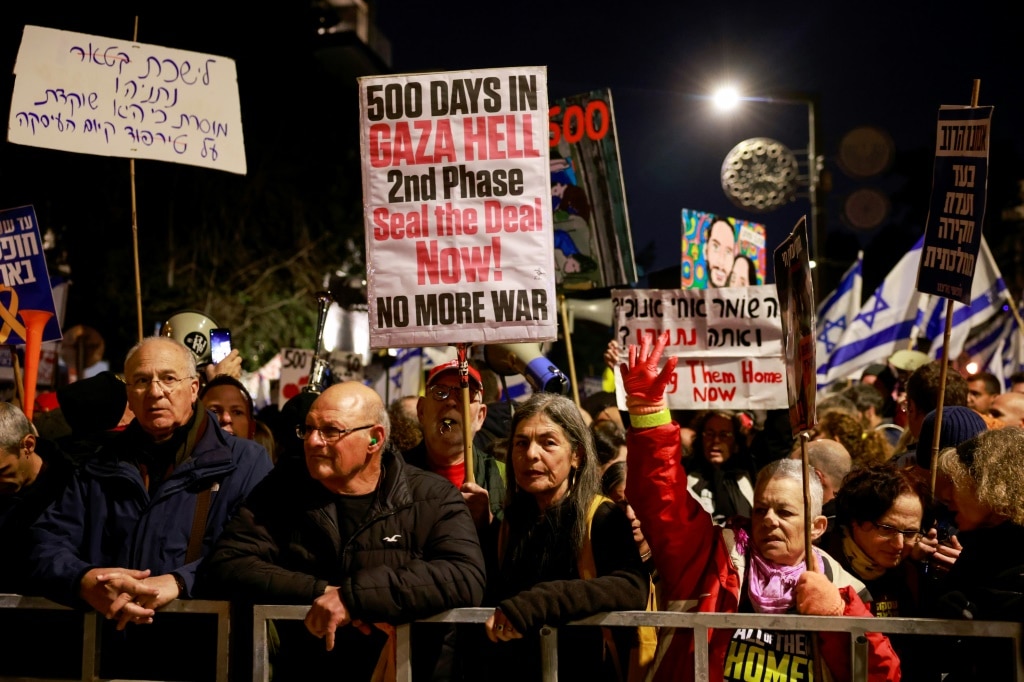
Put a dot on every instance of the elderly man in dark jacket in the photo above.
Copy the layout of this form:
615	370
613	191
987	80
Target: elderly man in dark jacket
129	532
357	534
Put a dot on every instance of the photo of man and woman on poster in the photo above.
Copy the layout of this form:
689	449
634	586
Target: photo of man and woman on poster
719	251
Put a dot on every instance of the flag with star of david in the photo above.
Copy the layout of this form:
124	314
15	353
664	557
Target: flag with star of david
835	315
995	347
887	322
988	298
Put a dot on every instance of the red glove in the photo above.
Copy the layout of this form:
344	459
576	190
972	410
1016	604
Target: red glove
644	384
816	595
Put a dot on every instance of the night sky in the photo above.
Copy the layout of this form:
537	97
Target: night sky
883	64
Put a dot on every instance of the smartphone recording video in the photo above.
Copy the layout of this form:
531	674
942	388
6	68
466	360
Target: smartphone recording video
220	344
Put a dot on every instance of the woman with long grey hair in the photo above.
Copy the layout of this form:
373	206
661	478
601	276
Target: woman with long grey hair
562	552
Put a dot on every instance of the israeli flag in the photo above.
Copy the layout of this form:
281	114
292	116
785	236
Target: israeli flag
835	314
996	347
985	345
988	298
887	322
1012	353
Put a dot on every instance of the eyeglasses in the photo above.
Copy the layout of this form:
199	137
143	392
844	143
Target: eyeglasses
329	434
441	392
165	383
720	435
888	533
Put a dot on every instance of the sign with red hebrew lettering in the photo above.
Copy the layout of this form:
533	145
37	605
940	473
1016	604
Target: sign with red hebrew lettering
728	340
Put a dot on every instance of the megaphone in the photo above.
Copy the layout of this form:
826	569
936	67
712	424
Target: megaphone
599	310
526	359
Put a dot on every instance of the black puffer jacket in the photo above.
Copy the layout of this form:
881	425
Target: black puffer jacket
417	554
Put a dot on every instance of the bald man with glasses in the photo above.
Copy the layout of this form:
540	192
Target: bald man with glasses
357	534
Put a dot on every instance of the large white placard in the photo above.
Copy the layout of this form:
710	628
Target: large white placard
728	340
95	95
457	206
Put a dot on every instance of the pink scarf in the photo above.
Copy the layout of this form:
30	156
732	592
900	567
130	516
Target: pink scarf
771	587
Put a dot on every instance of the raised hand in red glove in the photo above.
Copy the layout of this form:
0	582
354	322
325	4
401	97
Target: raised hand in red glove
644	384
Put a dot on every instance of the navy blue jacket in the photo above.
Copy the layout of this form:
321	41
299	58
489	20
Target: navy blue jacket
107	517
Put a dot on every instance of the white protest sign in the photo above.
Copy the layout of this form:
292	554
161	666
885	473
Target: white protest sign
728	340
295	367
94	95
457	206
346	366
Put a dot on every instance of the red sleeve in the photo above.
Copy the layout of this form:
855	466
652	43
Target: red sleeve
883	663
679	531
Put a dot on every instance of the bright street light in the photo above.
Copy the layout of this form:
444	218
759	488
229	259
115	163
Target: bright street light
728	97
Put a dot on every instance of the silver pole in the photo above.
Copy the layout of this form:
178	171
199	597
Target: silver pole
549	654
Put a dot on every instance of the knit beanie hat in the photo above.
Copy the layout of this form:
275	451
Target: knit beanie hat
958	424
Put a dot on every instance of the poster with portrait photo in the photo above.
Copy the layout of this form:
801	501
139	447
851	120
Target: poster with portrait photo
796	306
721	251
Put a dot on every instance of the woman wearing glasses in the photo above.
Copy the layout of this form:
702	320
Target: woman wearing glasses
880	511
720	472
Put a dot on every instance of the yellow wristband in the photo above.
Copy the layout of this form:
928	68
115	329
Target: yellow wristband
646	421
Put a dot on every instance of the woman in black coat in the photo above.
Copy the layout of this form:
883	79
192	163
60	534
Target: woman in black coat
551	524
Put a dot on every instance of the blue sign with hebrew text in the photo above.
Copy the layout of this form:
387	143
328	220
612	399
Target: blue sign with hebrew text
25	294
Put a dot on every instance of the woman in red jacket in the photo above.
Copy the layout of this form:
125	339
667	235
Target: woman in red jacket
754	569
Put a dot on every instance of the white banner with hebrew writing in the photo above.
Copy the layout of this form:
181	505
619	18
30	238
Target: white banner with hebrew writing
94	95
728	340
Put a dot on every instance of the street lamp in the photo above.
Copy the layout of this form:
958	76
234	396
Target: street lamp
728	97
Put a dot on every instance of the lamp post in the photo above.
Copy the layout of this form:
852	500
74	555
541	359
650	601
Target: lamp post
728	97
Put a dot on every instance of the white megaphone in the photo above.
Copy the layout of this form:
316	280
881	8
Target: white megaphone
599	310
526	359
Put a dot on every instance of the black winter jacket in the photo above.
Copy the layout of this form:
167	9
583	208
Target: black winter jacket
417	554
537	583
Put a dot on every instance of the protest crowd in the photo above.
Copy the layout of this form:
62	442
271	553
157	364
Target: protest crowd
737	459
148	485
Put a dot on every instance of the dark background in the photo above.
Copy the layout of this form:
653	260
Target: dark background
883	64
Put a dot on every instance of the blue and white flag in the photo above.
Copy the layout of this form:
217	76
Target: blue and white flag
986	344
988	297
835	314
886	323
1012	354
996	347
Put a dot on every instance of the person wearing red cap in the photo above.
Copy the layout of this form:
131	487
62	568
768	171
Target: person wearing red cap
443	449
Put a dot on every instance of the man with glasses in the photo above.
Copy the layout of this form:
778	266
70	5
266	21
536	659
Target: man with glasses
128	534
360	536
443	448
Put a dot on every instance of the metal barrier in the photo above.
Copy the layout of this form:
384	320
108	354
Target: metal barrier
700	623
91	640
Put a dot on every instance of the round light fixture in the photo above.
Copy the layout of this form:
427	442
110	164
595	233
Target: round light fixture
760	174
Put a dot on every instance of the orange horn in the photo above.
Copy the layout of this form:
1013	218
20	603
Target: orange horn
35	323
